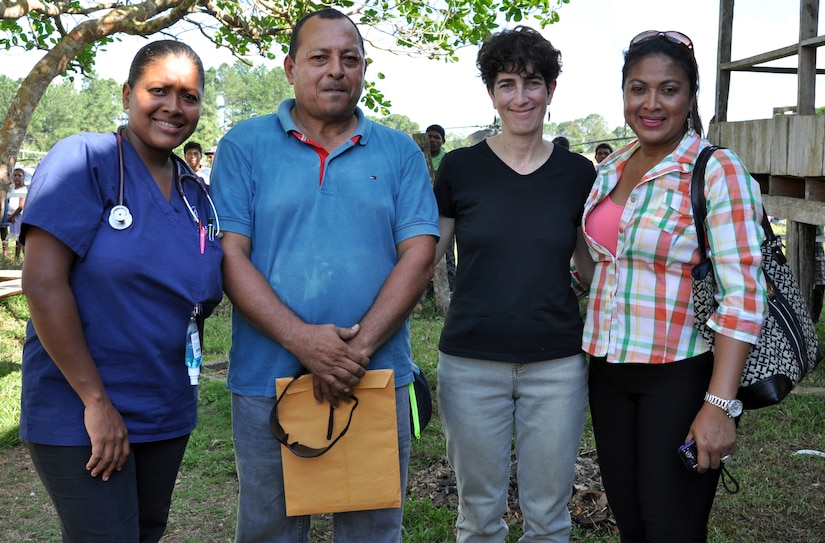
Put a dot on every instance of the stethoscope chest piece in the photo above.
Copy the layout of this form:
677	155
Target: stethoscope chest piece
120	218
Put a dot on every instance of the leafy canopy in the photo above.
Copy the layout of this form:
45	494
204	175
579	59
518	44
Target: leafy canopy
71	32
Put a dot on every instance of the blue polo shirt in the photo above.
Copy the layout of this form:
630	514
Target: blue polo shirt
323	231
135	289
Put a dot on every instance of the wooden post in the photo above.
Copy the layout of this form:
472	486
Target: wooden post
799	249
801	236
723	56
441	285
806	74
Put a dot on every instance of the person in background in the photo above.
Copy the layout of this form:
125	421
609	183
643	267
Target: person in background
330	229
193	153
562	141
107	404
210	156
655	385
17	201
603	150
436	137
510	364
4	226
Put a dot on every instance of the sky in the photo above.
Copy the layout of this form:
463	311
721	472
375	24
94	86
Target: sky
591	35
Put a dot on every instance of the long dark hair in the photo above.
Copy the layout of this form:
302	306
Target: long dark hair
681	55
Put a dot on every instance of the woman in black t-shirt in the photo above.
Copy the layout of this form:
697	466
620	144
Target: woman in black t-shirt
510	359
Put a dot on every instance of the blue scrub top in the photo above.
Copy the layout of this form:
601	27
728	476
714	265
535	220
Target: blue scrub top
135	290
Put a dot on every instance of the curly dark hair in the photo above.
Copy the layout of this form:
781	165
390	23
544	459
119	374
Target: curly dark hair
519	50
680	54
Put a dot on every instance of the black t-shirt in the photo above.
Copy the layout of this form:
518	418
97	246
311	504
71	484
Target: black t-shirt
515	234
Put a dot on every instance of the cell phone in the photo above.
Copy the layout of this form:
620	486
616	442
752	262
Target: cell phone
689	455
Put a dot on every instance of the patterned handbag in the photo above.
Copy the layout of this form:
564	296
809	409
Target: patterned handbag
788	347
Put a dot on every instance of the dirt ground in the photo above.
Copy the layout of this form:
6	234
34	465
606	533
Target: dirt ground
24	503
588	504
23	496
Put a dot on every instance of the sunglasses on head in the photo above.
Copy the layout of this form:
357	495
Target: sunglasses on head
671	36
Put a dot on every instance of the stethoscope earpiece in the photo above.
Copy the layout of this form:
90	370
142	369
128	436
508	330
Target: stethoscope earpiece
120	218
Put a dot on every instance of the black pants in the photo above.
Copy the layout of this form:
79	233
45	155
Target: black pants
641	415
131	507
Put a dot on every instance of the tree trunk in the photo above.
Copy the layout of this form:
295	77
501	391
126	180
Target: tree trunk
133	19
441	286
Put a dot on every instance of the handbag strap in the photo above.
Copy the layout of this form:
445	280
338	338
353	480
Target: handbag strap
700	207
298	449
697	197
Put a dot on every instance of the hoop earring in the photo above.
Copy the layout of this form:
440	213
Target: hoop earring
691	130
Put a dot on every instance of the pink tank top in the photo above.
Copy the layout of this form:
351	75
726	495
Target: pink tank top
603	224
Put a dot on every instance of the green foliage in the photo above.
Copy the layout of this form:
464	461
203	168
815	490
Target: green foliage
584	134
236	92
8	88
374	99
248	91
436	30
217	334
101	105
399	122
67	108
96	106
13	314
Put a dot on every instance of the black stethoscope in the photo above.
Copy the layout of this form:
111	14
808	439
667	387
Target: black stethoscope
120	218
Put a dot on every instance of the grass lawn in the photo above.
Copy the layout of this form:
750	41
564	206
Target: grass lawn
782	497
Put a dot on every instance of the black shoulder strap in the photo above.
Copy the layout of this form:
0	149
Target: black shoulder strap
700	207
697	196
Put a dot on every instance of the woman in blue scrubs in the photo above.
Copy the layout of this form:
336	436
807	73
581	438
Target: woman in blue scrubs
107	404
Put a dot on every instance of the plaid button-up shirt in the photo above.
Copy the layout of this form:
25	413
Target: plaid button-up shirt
640	307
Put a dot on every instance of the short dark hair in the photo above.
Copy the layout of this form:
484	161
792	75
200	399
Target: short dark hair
192	145
604	146
561	140
514	51
437	128
157	50
326	13
679	54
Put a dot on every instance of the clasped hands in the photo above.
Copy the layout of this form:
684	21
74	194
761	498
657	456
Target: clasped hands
336	364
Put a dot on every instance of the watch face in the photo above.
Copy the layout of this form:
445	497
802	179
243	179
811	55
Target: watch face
734	408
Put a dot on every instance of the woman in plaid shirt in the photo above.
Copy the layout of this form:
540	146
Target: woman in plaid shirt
654	383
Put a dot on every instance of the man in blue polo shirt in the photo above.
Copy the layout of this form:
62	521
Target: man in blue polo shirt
330	226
